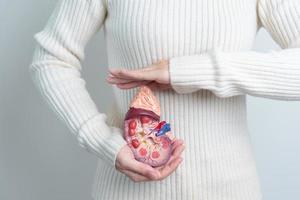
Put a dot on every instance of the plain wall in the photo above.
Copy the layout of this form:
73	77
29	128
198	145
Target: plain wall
40	158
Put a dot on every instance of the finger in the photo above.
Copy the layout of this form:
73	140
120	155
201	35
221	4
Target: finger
121	71
174	147
142	169
175	144
135	176
114	75
139	74
126	73
168	169
178	150
116	80
177	141
131	84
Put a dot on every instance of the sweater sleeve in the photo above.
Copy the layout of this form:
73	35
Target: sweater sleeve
274	74
56	72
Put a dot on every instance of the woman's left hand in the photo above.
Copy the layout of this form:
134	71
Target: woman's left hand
155	76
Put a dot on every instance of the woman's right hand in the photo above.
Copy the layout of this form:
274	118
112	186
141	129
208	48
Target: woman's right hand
138	171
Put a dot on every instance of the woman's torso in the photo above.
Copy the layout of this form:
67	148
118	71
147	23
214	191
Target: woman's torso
218	159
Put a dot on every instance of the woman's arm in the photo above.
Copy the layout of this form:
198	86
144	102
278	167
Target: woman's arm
275	74
56	71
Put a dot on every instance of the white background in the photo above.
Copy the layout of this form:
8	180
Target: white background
40	159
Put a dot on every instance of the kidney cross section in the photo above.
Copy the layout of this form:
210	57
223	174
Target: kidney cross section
141	134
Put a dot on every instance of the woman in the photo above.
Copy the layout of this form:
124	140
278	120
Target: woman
196	54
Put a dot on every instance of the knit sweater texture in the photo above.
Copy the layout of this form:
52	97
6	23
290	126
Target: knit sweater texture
212	69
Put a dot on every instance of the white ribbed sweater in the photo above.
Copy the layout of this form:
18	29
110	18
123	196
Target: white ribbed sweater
212	68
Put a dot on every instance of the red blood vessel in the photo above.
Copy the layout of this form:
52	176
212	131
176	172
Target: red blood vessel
142	122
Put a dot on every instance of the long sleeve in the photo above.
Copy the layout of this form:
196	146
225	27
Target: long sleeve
274	74
56	71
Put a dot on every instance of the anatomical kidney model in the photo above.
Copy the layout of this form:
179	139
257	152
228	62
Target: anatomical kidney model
149	138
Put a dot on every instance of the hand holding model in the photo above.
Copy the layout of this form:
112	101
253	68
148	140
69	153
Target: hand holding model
149	139
139	171
152	152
